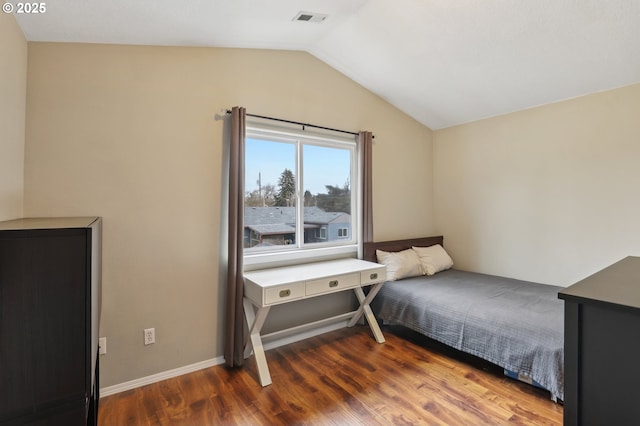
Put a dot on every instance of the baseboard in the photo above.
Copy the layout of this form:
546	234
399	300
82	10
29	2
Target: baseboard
136	383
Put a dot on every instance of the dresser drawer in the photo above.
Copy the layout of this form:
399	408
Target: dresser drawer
330	284
373	276
283	293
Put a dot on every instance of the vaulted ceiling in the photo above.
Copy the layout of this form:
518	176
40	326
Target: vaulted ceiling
443	62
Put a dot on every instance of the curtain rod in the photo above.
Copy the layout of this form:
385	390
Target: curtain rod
301	124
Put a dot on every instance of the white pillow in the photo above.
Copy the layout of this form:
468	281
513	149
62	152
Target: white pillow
400	264
433	259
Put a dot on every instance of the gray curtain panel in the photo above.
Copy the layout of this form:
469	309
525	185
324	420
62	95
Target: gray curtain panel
366	141
234	329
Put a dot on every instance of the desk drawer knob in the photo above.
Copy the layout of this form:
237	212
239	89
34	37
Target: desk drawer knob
285	293
333	283
373	276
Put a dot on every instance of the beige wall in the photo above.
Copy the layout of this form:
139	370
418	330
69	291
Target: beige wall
131	134
549	194
13	90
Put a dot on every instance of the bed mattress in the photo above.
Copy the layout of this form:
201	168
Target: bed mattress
515	324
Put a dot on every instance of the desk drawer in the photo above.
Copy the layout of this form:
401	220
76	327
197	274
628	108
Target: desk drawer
331	284
283	293
373	276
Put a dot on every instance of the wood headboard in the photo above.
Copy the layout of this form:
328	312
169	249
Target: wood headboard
369	249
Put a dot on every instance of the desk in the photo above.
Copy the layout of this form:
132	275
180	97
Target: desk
269	287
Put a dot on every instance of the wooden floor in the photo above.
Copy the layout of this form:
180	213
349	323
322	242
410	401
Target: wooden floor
339	378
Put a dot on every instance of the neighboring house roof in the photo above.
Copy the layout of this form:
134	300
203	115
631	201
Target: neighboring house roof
269	215
273	229
318	216
255	217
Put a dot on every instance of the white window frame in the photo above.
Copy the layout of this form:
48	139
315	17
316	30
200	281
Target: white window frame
345	247
346	232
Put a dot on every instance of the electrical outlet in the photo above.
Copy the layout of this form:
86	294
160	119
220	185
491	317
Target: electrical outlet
149	336
102	346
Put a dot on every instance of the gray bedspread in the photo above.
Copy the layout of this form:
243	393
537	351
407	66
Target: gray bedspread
515	324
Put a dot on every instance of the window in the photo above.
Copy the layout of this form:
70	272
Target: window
299	191
322	233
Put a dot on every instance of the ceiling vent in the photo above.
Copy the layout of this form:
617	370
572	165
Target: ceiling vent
310	17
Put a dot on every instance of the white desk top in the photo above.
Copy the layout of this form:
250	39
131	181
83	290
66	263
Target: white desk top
308	271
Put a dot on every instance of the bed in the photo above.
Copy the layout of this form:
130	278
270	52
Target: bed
517	325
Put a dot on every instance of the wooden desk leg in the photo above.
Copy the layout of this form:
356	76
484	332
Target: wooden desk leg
366	310
255	341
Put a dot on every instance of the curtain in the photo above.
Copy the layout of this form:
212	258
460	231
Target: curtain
366	141
234	327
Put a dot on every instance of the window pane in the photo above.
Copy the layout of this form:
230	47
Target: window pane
327	193
269	203
298	194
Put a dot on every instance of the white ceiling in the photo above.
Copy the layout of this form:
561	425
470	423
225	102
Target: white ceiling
443	62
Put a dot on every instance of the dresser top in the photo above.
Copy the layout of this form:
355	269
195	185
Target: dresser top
617	284
48	223
309	271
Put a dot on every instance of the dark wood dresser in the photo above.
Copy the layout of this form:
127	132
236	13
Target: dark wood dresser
49	320
602	347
